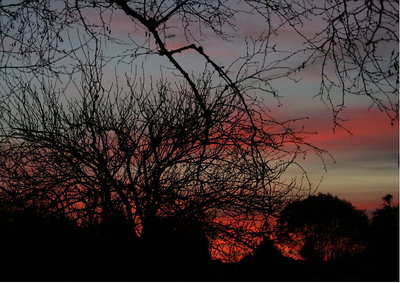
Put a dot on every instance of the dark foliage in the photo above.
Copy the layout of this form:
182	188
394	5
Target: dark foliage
37	245
384	241
327	227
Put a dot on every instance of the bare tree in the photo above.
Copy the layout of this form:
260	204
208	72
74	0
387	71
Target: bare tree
355	46
200	140
143	153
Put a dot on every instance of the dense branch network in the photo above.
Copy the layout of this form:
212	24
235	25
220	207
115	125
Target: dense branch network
193	145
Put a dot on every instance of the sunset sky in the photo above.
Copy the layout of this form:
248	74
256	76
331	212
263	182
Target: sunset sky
195	133
366	161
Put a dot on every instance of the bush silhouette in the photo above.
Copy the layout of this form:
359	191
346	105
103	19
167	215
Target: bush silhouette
264	253
37	246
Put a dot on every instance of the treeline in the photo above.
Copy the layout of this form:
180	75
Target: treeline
335	241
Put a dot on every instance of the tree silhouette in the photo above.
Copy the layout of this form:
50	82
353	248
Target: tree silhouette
324	228
354	44
384	240
387	200
143	156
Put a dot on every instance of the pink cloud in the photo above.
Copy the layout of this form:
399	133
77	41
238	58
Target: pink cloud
370	130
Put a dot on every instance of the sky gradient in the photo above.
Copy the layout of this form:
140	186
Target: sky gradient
366	160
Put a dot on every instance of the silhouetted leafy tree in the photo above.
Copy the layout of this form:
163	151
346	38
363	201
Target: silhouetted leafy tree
324	228
384	240
385	220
